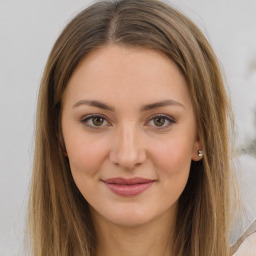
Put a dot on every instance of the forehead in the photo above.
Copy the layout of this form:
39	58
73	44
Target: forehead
116	73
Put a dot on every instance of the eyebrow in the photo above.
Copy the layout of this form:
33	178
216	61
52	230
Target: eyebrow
161	104
98	104
94	103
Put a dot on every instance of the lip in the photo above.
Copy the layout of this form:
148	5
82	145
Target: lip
128	187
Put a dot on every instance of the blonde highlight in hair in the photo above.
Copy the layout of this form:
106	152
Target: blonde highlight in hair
59	221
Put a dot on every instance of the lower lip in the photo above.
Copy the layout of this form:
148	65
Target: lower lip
129	190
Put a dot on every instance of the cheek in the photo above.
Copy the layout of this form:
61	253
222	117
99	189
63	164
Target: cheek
173	157
173	164
85	155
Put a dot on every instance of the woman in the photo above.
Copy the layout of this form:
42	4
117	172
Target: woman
132	151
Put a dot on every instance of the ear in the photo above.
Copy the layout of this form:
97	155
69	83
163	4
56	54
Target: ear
61	140
196	148
62	145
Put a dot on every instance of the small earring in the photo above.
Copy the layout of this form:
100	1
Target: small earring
200	153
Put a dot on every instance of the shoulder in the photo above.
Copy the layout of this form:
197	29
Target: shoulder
247	247
246	244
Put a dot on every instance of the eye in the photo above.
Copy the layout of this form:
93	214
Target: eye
95	121
161	121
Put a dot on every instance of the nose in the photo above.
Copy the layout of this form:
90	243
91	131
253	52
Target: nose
127	150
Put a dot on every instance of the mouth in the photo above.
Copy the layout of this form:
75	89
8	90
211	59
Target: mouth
128	187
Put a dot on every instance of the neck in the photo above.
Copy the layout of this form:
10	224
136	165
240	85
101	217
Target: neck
150	239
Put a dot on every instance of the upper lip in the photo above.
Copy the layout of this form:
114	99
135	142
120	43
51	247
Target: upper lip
130	181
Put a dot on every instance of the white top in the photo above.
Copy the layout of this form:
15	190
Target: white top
246	244
247	247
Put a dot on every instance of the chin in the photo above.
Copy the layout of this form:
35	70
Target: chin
130	220
130	215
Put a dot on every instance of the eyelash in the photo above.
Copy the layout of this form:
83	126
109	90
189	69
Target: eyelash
88	118
166	117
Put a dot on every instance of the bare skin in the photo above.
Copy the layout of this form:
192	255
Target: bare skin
127	113
148	240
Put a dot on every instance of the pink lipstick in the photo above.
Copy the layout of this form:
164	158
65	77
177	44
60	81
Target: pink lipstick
128	187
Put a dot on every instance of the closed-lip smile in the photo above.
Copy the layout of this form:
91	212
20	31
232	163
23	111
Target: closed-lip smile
128	187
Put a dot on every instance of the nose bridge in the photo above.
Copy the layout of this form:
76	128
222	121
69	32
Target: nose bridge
127	150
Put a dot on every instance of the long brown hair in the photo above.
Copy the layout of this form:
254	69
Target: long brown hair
59	222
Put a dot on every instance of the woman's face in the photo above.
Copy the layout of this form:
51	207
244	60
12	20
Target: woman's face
130	133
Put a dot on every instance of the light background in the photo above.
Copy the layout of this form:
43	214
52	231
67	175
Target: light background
28	30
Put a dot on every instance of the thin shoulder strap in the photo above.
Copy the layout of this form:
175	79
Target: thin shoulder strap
249	231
